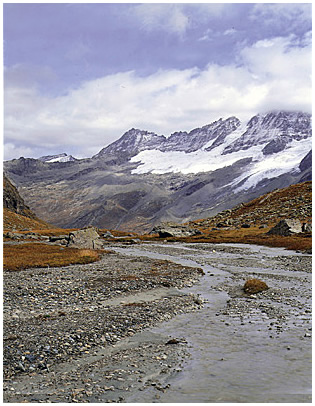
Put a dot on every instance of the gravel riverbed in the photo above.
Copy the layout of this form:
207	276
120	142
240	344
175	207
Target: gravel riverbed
70	333
160	323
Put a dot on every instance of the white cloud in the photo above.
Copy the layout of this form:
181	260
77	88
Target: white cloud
269	75
230	31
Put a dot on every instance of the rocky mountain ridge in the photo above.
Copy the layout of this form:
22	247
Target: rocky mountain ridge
275	130
143	178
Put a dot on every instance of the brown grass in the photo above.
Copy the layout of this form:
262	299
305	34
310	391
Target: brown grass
253	235
13	220
33	255
255	286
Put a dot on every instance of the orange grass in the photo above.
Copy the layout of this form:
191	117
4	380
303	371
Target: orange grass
252	235
30	255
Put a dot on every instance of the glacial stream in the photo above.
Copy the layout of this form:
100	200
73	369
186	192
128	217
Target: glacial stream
242	348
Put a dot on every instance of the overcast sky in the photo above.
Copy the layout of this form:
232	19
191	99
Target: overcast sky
77	76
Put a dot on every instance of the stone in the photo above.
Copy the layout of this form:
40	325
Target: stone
286	227
108	234
174	230
58	238
85	238
307	227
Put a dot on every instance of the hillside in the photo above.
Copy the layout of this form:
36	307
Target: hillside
16	214
249	223
294	201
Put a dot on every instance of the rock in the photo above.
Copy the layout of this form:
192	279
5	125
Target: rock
9	234
108	234
307	227
172	341
254	286
85	238
221	224
174	230
245	225
286	227
58	238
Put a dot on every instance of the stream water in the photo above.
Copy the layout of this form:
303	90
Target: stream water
242	349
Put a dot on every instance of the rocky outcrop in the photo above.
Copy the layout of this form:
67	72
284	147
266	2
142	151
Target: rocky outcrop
85	238
287	227
13	201
165	230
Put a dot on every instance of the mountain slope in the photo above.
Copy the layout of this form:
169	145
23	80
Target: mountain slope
16	214
144	178
294	201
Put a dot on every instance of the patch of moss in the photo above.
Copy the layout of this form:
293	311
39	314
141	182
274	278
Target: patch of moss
255	286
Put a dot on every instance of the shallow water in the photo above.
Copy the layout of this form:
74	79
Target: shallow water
249	356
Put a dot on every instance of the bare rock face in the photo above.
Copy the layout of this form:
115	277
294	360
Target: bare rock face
13	201
287	227
85	238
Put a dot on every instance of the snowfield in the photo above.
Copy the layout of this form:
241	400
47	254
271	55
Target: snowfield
270	166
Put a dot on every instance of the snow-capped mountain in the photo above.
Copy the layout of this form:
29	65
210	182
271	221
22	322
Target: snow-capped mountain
144	178
275	142
131	143
57	158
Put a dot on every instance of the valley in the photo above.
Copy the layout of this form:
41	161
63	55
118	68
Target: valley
93	333
125	283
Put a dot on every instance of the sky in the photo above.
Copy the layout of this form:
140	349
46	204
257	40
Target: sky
77	76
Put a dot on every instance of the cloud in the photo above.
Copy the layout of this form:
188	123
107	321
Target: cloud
176	18
286	17
230	31
165	17
270	74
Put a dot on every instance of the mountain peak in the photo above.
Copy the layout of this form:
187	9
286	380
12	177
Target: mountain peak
63	157
277	127
131	143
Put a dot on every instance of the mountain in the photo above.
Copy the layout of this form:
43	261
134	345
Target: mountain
57	158
144	178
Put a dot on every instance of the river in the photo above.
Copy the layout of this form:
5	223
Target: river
242	348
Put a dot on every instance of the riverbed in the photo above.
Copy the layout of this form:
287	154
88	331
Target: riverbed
142	326
254	348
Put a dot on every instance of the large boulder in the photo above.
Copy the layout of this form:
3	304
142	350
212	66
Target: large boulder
174	230
85	238
286	227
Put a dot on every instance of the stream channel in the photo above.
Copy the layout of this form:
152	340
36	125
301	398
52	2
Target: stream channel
243	348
